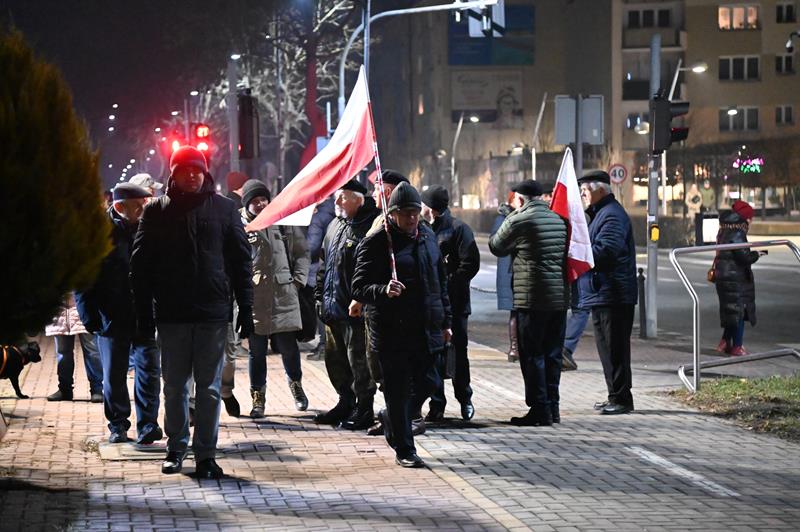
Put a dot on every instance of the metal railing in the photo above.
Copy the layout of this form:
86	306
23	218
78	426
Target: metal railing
697	366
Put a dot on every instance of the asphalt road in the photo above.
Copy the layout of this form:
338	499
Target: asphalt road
777	299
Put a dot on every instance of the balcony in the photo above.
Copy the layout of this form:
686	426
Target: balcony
640	37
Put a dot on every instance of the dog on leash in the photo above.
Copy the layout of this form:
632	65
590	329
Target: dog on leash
14	359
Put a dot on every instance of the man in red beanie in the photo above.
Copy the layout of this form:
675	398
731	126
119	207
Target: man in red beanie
189	254
743	209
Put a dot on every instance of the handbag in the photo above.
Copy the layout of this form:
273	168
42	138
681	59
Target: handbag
711	274
305	297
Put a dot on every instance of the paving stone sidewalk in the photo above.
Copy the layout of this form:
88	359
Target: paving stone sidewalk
663	467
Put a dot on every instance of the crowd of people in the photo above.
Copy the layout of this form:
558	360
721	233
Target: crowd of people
185	284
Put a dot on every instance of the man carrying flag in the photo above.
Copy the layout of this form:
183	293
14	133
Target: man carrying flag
536	238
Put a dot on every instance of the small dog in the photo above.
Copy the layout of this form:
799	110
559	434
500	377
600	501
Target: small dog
13	359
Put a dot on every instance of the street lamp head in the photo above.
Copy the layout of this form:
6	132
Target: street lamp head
236	57
642	128
110	129
733	111
152	152
699	68
789	46
157	130
474	119
112	117
114	105
193	93
175	113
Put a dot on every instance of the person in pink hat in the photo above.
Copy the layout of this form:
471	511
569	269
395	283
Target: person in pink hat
733	277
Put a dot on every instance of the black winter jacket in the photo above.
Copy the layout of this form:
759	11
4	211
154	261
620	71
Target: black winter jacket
320	220
338	261
461	258
384	318
107	308
190	253
733	273
536	238
613	279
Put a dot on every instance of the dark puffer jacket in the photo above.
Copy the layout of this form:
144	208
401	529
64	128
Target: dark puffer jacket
107	307
384	315
613	279
734	276
333	286
536	238
190	253
461	258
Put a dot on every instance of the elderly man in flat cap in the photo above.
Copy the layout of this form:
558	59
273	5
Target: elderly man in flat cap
147	182
536	238
610	289
345	347
107	310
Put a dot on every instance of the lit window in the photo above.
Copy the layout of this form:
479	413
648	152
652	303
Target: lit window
738	17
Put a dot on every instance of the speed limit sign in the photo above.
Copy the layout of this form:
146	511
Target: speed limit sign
618	173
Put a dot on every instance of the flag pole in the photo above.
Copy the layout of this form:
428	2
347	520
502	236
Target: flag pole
381	189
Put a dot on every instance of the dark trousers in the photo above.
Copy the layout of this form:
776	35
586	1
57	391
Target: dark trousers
541	337
346	360
612	332
409	378
283	342
734	334
461	379
192	349
115	353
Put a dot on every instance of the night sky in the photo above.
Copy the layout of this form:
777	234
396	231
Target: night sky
144	55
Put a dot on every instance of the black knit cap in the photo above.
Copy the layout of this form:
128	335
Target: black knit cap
595	176
390	177
124	191
436	197
253	188
354	186
529	188
404	196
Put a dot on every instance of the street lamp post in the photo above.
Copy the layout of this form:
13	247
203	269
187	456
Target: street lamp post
697	68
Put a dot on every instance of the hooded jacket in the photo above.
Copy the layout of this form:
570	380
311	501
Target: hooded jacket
189	255
734	279
107	307
335	276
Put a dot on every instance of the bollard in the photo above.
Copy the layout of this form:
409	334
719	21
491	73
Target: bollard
642	305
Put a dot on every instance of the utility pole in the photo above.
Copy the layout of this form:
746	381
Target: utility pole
651	283
578	136
233	112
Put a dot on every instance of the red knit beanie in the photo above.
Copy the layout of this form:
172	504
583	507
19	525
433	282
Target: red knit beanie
743	209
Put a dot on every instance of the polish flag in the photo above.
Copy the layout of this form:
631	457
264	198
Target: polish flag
567	203
350	149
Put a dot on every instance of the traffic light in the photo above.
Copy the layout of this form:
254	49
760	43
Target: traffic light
662	134
248	126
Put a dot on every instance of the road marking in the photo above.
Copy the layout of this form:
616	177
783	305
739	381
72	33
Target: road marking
499	389
691	476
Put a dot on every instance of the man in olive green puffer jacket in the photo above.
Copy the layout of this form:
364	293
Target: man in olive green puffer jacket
536	239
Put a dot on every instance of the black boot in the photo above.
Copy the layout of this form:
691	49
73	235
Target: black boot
362	417
536	417
556	413
337	414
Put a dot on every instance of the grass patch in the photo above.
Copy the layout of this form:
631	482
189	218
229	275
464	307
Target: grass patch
769	405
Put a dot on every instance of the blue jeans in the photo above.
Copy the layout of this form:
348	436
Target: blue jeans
65	349
734	334
116	352
286	344
576	323
192	349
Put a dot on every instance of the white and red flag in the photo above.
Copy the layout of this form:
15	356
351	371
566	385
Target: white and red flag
350	149
567	203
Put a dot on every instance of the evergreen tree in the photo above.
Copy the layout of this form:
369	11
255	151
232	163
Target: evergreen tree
54	232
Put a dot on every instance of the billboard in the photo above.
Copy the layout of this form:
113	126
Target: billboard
493	96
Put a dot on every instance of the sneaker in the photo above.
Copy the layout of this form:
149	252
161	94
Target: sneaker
567	362
208	469
151	436
231	406
60	395
118	436
737	351
300	399
723	346
259	402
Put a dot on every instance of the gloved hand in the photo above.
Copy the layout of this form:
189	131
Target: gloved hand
244	322
146	328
